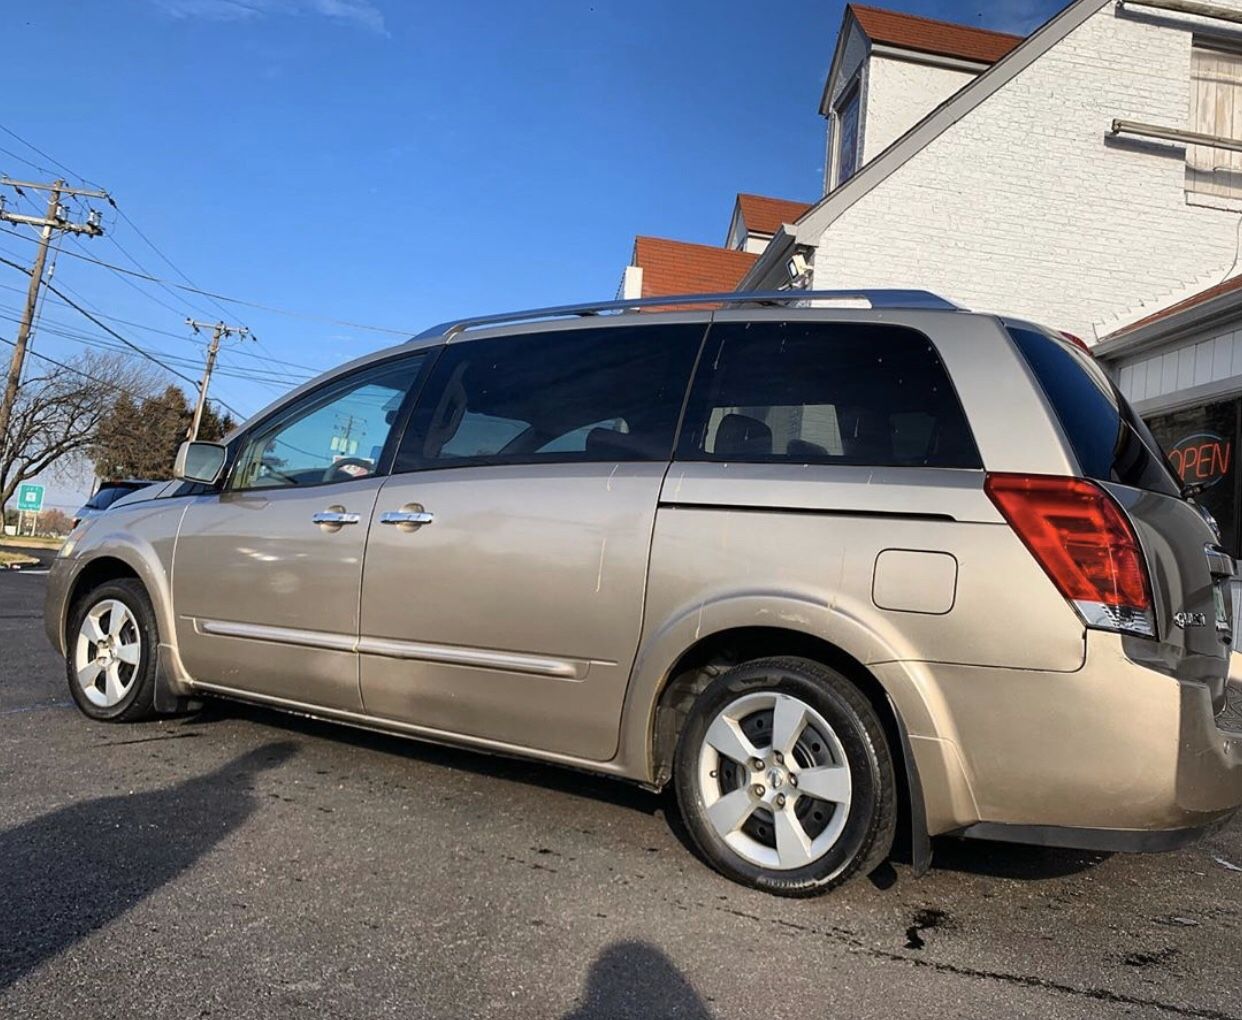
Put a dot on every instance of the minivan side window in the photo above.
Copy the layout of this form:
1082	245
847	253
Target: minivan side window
604	394
824	393
336	434
1110	441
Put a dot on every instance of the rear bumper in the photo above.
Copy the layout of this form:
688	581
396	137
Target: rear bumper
1133	841
1113	756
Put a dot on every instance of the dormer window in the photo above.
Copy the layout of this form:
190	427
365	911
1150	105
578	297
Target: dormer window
847	134
890	70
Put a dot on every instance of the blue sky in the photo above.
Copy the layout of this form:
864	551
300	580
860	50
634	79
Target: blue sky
398	162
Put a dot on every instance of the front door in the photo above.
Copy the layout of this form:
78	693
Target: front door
266	573
507	561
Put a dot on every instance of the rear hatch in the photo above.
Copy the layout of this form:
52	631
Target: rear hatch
1189	571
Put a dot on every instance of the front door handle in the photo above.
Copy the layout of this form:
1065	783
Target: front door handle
335	517
407	517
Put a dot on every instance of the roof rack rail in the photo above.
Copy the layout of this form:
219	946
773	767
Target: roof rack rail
913	299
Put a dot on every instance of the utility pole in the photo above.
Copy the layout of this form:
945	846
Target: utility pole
345	424
219	331
56	220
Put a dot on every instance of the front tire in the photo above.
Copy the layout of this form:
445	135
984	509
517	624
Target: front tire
111	651
784	778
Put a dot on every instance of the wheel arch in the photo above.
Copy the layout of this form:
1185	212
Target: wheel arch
715	653
97	572
136	561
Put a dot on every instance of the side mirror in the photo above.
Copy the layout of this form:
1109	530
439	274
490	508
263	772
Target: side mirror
200	462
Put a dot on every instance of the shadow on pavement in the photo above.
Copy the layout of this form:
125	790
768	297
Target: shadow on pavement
977	857
76	869
1012	860
530	773
635	979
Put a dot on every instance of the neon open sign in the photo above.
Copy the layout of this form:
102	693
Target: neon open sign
1203	458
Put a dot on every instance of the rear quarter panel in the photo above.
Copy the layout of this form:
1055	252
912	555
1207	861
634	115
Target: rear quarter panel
802	556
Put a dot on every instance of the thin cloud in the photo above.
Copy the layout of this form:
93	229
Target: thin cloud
1021	17
362	13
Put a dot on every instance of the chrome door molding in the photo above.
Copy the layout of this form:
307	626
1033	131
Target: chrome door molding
278	635
481	658
453	655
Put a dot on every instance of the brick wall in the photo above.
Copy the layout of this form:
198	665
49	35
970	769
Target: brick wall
900	93
1022	206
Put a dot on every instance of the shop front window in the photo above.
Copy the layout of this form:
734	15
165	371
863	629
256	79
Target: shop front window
1201	444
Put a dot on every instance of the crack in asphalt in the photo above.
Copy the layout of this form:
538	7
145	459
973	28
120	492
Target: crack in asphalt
926	920
37	707
147	740
858	945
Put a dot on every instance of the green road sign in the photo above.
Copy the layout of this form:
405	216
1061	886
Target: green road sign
30	497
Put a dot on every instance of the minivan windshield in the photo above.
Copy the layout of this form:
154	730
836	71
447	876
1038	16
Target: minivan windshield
1111	442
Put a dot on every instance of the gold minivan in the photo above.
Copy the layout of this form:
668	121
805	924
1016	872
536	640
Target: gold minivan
829	570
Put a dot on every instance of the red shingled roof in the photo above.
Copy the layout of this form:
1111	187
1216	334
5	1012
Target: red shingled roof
928	36
1221	289
677	267
765	215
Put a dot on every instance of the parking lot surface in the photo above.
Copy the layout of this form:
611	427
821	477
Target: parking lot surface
242	863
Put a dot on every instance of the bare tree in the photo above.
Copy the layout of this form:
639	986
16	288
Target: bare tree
59	410
54	522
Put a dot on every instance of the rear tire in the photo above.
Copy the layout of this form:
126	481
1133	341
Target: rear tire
784	778
112	642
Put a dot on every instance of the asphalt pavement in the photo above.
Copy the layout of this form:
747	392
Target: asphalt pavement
241	863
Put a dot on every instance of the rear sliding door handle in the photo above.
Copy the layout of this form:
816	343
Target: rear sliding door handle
407	517
336	517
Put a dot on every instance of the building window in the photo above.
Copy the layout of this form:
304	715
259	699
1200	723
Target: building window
1215	109
848	135
1201	444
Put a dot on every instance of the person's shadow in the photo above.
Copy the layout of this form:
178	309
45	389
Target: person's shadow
635	979
70	872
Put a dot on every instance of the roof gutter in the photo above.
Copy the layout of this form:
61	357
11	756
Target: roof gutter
1177	326
912	56
763	275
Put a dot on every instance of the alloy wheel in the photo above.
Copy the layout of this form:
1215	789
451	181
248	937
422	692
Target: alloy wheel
774	780
107	653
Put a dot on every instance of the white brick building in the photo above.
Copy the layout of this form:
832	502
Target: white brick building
1014	194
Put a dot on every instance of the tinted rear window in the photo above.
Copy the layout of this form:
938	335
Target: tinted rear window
1110	441
825	393
554	397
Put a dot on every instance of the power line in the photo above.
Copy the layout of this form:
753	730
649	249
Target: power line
67	368
158	251
311	369
232	300
22	159
50	159
53	327
284	383
113	333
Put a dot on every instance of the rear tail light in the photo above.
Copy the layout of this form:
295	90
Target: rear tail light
1079	535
